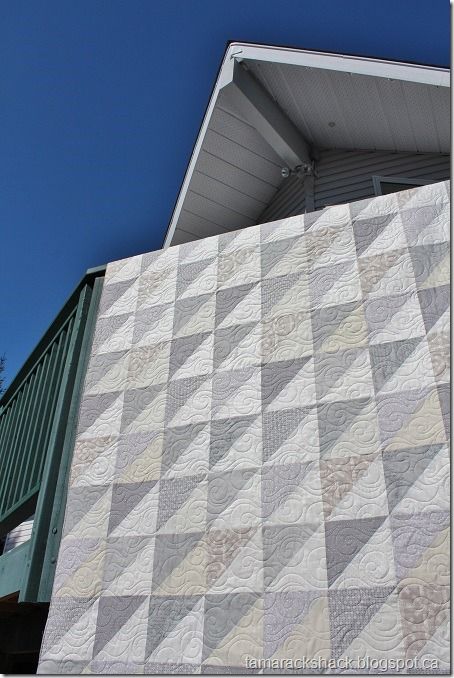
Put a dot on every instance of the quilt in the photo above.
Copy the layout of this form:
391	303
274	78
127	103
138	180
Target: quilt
260	479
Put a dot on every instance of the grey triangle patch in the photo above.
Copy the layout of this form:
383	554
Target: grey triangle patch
273	252
227	339
165	614
278	427
224	611
93	407
173	493
176	441
227	300
125	498
402	469
170	551
425	258
186	309
274	289
279	482
179	392
350	611
136	401
187	273
344	540
385	359
276	376
112	293
335	418
280	544
368	229
182	349
434	302
113	613
223	490
224	434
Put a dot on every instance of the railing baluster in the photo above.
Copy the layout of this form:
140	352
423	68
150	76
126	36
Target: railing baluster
22	450
46	412
6	451
43	409
5	419
9	446
64	340
18	447
31	443
21	424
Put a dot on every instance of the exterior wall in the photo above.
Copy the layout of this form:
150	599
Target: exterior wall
235	177
290	200
261	466
345	176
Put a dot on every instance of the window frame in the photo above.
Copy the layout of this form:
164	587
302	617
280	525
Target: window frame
377	181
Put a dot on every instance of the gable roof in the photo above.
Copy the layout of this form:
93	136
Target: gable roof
272	106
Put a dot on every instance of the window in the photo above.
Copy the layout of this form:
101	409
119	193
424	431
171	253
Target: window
385	185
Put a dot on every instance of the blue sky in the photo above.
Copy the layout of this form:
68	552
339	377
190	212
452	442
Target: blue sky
100	105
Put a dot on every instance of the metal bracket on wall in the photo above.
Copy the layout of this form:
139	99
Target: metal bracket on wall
306	173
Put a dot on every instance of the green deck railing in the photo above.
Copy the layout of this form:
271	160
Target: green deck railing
38	417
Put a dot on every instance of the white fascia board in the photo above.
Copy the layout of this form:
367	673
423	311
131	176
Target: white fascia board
380	68
429	75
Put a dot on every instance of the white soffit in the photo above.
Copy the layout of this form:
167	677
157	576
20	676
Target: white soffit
374	104
334	109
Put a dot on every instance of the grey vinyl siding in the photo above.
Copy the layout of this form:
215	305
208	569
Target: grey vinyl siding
346	176
288	201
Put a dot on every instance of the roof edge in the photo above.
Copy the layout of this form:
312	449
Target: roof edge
410	62
401	70
347	63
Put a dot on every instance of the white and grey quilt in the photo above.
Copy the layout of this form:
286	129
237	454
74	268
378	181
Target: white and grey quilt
261	472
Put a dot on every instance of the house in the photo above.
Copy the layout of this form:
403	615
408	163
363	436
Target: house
289	131
265	396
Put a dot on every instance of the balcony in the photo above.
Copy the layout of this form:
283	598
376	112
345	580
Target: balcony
38	416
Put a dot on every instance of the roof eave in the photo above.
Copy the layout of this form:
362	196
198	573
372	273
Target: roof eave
241	51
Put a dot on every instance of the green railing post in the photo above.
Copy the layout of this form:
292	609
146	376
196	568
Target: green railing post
53	455
59	503
38	421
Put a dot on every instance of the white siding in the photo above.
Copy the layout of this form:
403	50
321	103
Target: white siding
19	535
235	176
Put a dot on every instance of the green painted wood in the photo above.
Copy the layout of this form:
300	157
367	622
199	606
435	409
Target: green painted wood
38	417
22	510
54	389
20	457
24	485
22	466
8	451
59	503
52	457
25	439
12	569
45	412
